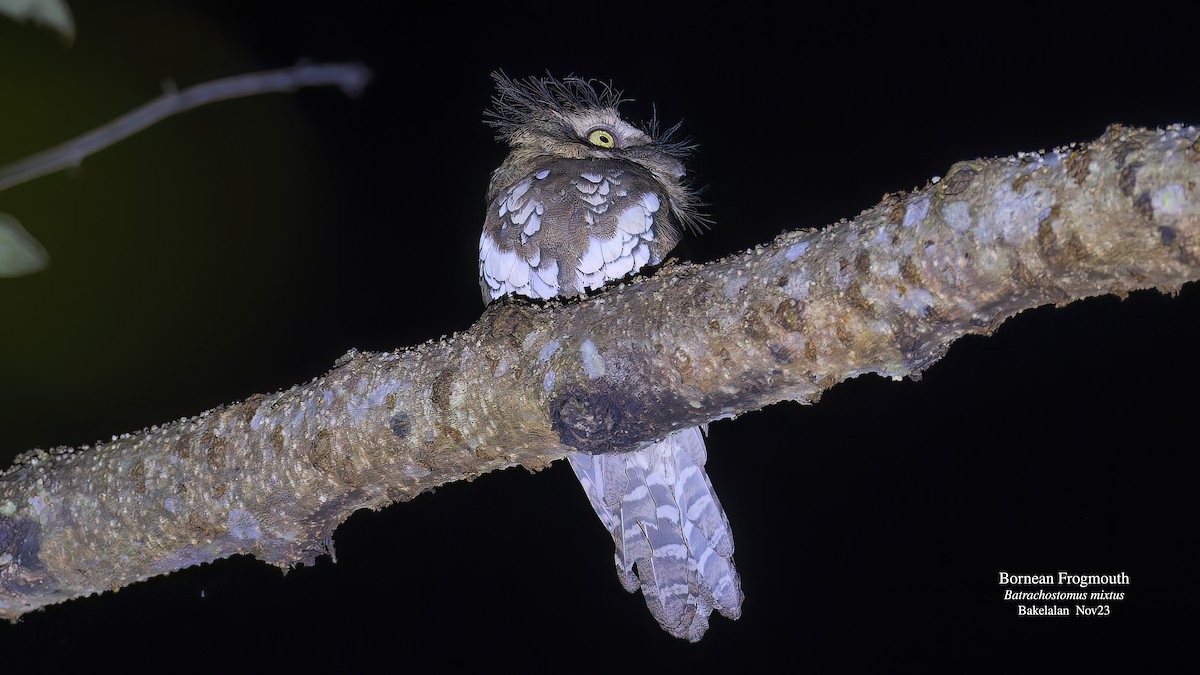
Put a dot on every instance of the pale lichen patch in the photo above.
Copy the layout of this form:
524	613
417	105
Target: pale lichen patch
360	406
793	252
1015	215
916	212
916	302
798	285
548	350
735	284
593	362
957	215
1170	200
243	525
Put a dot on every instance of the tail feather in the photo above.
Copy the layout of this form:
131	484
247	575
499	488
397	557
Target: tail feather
666	521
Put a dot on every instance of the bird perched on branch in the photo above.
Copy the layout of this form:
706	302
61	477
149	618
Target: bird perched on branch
585	199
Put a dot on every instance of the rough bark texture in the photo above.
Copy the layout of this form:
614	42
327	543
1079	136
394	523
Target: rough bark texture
886	293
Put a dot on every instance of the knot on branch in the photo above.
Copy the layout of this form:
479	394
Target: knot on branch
509	319
589	420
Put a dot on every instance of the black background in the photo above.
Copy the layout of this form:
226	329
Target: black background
242	247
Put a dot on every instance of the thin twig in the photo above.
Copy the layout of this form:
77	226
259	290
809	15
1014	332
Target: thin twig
350	77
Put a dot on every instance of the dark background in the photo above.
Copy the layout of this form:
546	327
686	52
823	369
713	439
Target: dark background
242	247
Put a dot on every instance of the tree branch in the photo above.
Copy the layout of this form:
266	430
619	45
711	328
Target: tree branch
350	77
886	293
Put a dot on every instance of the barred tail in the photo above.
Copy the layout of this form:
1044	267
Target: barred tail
665	519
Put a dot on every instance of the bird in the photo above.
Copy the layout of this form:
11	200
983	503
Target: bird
585	199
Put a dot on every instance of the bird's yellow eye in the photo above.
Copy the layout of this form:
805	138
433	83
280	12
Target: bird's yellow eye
602	138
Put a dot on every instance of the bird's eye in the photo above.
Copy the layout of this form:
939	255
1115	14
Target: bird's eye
602	138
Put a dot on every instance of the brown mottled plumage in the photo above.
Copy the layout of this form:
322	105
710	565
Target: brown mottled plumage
582	200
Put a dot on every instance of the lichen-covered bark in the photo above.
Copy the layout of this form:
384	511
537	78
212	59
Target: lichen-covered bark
886	293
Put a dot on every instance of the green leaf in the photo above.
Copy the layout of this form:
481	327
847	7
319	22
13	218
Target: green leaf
52	13
20	253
